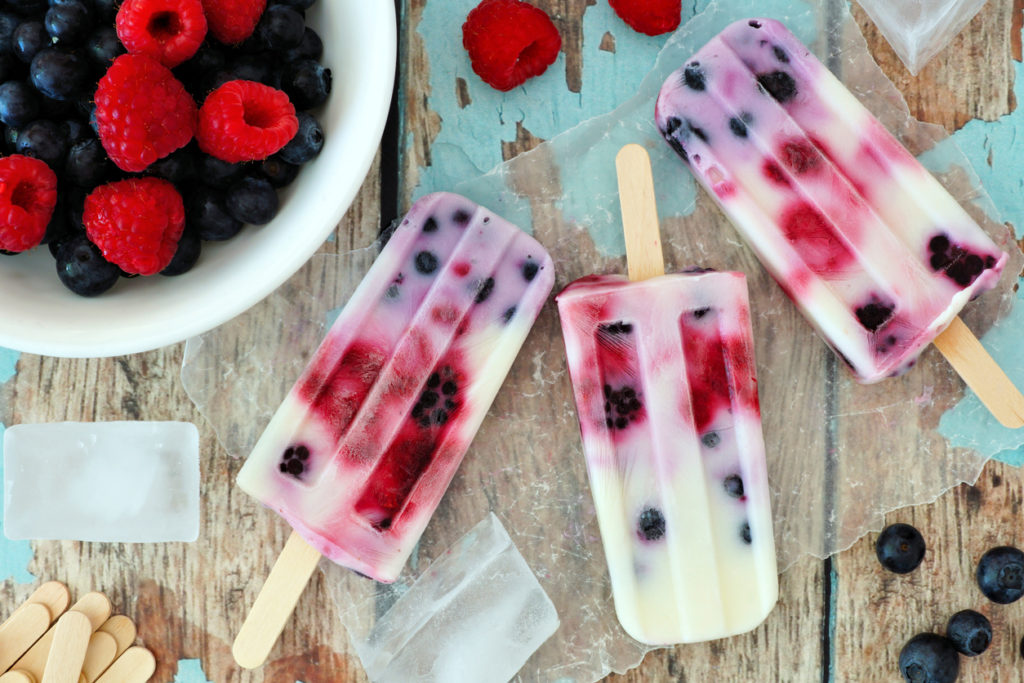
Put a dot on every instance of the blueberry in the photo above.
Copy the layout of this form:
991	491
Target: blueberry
212	171
19	103
874	314
900	548
105	10
278	171
252	200
185	256
738	127
301	5
711	439
60	74
651	524
484	292
310	47
280	28
27	7
307	82
28	40
307	143
693	76
1001	574
256	68
207	215
87	164
177	167
68	23
103	46
970	631
780	54
779	84
44	140
745	533
430	225
293	460
426	262
8	23
530	268
77	130
733	485
929	658
82	268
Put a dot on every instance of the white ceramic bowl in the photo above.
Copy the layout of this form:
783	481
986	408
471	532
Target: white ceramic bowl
39	315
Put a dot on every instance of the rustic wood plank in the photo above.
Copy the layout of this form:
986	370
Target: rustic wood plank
971	78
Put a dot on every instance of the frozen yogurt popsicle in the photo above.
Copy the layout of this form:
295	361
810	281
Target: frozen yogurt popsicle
871	248
362	449
665	385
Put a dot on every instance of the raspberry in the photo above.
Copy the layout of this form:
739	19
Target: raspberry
509	41
136	223
245	121
169	31
28	193
232	21
652	17
142	112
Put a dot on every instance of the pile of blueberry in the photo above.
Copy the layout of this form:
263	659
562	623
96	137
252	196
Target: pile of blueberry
933	658
53	52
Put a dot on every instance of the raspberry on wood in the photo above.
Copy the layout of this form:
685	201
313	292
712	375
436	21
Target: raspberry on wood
652	17
28	194
169	31
136	223
245	121
509	41
143	113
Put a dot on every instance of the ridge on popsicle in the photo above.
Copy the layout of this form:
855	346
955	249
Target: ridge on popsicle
866	242
364	446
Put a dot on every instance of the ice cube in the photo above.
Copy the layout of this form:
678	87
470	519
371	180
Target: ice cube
919	29
476	614
129	482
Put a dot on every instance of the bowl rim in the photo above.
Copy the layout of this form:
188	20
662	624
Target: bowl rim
375	90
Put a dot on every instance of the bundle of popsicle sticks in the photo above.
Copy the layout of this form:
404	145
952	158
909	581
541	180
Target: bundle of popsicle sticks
45	642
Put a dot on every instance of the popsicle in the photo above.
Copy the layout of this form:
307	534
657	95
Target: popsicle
665	385
362	449
870	247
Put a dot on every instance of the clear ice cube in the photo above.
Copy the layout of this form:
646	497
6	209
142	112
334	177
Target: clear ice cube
919	29
476	615
131	482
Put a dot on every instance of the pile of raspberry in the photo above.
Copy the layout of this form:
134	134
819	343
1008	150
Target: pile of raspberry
136	130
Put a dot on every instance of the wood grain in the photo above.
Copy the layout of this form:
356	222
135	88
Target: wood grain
846	616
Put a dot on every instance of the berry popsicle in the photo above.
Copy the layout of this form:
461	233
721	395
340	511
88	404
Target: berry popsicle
362	449
665	385
870	247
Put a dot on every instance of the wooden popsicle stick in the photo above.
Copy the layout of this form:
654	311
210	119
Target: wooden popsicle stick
981	373
67	653
27	625
122	629
136	665
275	602
103	650
644	258
95	606
54	595
17	676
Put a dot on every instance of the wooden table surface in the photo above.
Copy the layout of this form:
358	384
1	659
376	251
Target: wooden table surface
842	619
